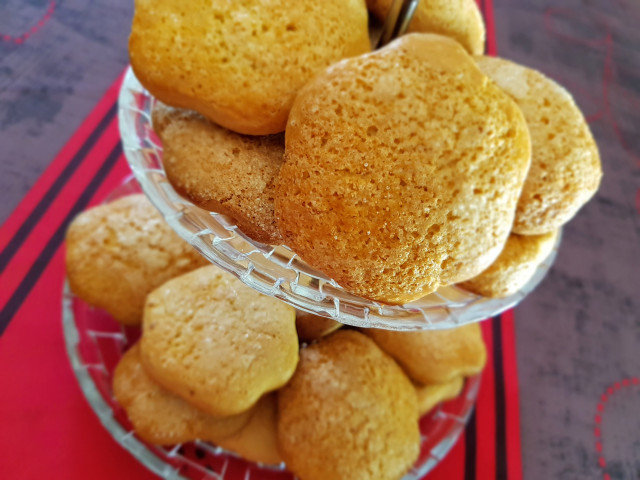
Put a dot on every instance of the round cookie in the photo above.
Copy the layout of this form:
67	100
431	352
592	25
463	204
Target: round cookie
349	412
160	417
119	252
220	170
240	64
312	327
435	356
431	395
514	267
257	441
402	170
565	163
458	19
217	343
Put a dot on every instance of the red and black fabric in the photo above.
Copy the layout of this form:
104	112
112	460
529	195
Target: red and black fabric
49	431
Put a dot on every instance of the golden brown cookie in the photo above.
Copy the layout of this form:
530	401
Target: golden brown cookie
241	64
458	19
119	252
402	170
312	327
435	356
514	267
565	163
158	416
257	441
217	343
349	412
220	170
431	395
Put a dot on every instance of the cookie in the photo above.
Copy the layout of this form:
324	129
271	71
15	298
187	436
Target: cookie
514	267
258	441
457	19
435	356
160	417
312	327
217	343
348	412
119	252
565	164
220	170
402	170
240	64
431	395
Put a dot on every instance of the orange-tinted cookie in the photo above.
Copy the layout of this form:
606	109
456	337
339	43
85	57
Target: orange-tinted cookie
241	63
217	343
402	170
348	412
431	395
312	327
158	416
119	252
220	170
565	163
457	19
258	440
514	267
435	356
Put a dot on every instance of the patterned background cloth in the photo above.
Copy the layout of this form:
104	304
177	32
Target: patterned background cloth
577	335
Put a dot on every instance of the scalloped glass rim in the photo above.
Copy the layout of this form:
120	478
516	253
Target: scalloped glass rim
94	342
276	270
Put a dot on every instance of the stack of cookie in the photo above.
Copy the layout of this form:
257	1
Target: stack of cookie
219	362
419	165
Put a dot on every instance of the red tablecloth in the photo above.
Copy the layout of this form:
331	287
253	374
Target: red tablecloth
48	429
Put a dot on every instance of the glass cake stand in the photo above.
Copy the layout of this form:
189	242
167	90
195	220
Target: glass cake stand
276	270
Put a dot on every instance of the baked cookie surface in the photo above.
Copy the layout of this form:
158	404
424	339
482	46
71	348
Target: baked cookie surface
435	356
220	170
257	441
216	342
160	417
312	327
118	252
458	19
565	163
349	412
431	395
514	267
402	170
241	63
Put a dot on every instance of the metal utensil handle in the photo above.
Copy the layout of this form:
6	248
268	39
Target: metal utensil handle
397	21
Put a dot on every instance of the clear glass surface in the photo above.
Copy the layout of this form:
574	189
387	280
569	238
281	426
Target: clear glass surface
276	270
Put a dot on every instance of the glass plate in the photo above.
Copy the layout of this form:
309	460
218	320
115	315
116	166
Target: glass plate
95	342
276	270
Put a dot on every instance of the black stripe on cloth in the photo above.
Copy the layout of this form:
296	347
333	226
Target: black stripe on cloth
34	273
41	208
470	452
500	400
